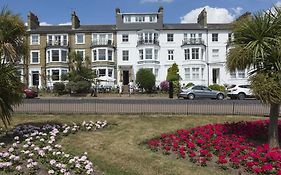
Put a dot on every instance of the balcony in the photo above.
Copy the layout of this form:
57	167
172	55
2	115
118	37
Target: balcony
148	62
55	44
148	42
102	43
193	41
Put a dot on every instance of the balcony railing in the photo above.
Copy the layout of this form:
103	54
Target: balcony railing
148	42
57	43
102	43
148	62
193	41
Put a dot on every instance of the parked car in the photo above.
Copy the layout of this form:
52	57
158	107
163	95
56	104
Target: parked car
199	91
29	93
239	92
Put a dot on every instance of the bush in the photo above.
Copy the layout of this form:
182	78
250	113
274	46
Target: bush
189	85
145	79
78	87
164	85
59	88
217	87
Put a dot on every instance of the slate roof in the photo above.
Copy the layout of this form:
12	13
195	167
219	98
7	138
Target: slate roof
112	28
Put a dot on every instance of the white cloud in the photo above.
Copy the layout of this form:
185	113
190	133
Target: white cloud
237	10
45	24
65	24
278	4
214	15
156	1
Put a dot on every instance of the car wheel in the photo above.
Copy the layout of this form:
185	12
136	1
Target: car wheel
241	96
191	96
220	96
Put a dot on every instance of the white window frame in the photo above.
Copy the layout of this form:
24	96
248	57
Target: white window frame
37	51
76	38
187	72
195	72
187	54
156	52
150	55
128	53
170	55
215	53
31	39
125	38
61	39
141	54
97	50
49	55
215	39
170	37
195	51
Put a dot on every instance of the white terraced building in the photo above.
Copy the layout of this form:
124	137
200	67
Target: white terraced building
137	40
199	49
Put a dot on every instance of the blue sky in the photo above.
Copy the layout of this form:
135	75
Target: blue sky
103	11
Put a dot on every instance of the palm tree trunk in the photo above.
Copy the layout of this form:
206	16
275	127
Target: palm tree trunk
273	125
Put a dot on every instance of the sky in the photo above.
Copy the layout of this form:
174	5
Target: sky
54	12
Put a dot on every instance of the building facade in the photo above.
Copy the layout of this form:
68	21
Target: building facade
137	40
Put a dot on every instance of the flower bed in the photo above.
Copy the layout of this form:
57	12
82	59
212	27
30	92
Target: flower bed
33	150
234	146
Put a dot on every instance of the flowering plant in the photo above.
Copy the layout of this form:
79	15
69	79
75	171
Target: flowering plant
229	145
34	150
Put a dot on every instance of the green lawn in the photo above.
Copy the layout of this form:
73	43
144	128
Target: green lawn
119	148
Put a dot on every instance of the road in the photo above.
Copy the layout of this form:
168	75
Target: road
141	106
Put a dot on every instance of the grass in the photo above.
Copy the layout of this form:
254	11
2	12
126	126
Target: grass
119	149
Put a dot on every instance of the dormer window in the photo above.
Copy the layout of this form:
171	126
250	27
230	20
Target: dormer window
152	18
140	18
127	19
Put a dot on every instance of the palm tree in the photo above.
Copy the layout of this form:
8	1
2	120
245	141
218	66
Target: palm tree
12	47
257	46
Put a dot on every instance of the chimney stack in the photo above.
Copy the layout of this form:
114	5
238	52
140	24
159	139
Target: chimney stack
117	10
32	21
75	22
202	18
161	9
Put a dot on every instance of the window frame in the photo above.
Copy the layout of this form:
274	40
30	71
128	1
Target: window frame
170	37
127	55
215	37
125	38
170	55
83	38
31	39
31	56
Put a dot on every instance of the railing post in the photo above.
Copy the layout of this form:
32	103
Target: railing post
49	104
233	107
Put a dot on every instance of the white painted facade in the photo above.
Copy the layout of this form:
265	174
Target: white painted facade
208	69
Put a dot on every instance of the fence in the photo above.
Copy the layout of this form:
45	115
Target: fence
142	106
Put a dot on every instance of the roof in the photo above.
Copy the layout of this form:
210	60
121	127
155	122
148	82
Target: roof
196	26
112	28
68	29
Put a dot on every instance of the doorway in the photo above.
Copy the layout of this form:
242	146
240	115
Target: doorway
35	78
125	77
216	76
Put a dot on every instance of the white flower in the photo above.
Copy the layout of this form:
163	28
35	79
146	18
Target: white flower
18	168
16	138
11	150
51	172
52	162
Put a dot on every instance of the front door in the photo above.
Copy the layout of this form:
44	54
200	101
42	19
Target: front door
216	76
125	77
35	78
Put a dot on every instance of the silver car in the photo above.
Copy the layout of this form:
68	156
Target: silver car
200	92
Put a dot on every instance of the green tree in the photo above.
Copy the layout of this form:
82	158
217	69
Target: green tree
80	76
257	46
145	79
173	75
12	47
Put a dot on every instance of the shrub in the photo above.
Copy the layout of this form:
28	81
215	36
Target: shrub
173	73
78	87
217	87
164	85
145	79
189	85
59	88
